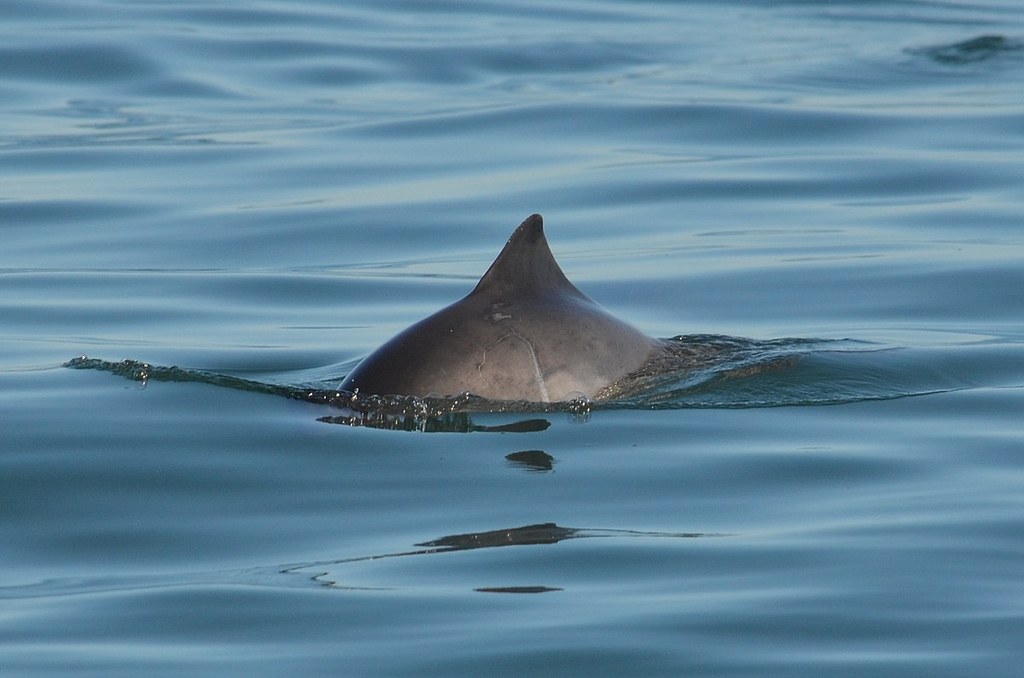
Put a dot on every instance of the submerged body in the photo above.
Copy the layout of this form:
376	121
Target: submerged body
524	333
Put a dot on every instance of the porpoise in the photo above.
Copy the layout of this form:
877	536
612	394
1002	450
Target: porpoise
525	333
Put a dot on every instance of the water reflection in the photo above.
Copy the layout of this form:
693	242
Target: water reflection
981	48
526	535
534	461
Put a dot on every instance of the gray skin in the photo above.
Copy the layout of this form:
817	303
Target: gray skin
524	333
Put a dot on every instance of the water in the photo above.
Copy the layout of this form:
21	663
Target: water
241	194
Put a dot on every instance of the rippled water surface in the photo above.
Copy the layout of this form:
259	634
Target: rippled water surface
243	199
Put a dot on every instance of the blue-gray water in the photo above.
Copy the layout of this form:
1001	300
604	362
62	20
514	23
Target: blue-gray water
268	191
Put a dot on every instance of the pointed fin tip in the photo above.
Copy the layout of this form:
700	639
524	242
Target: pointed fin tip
531	229
526	263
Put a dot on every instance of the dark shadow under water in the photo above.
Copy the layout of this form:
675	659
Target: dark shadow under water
698	371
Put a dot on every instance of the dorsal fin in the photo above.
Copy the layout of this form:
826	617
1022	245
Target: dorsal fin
526	263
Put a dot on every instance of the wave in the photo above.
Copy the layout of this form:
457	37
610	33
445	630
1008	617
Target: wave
698	371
